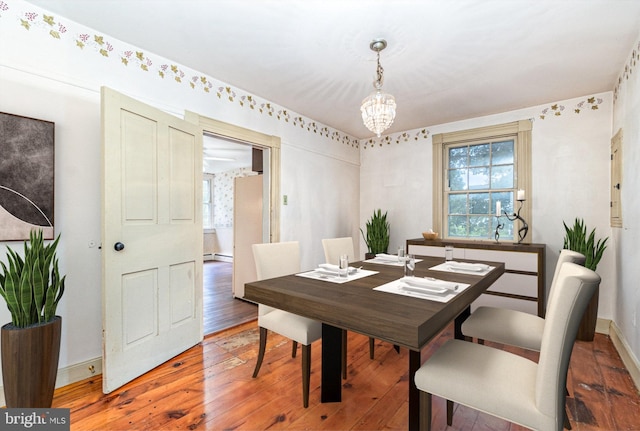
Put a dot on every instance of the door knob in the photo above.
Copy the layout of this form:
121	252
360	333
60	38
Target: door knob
118	246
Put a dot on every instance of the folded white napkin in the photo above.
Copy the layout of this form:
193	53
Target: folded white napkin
465	266
387	257
430	284
335	268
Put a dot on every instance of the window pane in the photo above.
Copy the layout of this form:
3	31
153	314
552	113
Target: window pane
206	191
506	201
458	204
479	226
478	178
207	216
458	157
479	203
502	153
457	226
458	179
479	155
502	177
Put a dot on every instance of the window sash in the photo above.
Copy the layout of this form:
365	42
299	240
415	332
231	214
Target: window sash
520	132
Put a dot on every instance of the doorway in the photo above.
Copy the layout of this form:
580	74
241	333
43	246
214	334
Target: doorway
226	166
270	146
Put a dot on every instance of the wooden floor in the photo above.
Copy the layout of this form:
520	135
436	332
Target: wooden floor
221	309
210	387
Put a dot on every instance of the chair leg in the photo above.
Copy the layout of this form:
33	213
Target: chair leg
425	409
344	354
372	346
306	373
294	349
263	345
449	412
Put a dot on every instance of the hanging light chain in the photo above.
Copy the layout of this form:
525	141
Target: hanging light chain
377	84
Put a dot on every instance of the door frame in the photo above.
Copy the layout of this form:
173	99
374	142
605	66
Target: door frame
237	133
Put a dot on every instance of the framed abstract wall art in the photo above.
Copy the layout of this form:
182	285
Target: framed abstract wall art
26	177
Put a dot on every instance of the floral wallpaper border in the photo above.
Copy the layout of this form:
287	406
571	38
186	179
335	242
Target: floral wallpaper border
628	71
138	60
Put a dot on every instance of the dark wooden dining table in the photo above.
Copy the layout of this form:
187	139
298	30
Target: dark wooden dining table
404	321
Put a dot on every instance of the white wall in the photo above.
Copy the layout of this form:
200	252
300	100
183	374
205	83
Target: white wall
626	116
52	78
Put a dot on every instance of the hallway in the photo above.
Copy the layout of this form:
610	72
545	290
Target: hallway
221	309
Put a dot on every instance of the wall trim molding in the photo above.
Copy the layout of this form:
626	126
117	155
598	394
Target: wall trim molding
624	350
72	374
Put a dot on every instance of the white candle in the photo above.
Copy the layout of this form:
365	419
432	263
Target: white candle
520	195
498	208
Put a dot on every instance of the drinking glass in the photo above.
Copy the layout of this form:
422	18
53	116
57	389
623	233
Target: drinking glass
409	265
344	265
448	252
400	254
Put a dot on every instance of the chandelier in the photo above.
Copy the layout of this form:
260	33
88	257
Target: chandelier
378	109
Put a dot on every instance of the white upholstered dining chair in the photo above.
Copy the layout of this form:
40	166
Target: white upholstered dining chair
333	249
512	327
507	385
275	260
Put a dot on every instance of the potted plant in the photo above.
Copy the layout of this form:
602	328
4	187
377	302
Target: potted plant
32	287
377	238
576	239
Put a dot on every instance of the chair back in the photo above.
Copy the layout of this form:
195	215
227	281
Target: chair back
334	247
275	260
565	256
575	285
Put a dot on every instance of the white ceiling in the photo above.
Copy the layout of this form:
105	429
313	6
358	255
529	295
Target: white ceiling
447	60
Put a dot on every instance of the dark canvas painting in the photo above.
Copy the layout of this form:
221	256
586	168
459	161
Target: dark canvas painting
26	176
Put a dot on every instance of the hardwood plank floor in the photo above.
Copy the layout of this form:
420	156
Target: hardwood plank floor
210	387
221	309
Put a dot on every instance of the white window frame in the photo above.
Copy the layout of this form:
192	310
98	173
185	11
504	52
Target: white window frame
520	131
208	227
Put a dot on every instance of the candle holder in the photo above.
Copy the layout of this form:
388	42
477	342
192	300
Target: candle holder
498	228
522	232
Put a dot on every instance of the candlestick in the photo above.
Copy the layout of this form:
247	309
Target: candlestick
522	232
498	226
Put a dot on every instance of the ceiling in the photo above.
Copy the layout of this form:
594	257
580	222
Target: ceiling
446	60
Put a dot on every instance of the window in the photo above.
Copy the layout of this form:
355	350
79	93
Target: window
207	202
475	169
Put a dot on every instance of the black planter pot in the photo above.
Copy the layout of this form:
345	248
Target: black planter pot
30	363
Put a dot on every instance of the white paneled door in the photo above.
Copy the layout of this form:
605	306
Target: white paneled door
151	237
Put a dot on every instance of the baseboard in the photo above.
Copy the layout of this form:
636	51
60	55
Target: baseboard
602	326
71	374
223	258
626	354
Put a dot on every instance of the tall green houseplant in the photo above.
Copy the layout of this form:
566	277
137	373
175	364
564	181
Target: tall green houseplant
576	239
32	286
377	238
